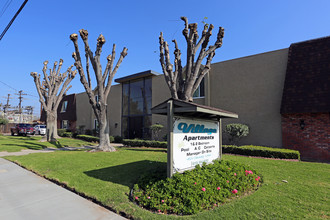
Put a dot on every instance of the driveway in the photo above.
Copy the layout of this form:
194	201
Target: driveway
24	195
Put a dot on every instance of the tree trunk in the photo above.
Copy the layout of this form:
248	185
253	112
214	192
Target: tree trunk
51	133
104	144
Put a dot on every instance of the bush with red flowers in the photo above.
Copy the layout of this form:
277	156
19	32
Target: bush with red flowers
203	188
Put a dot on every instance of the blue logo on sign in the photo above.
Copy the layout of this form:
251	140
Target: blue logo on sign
195	128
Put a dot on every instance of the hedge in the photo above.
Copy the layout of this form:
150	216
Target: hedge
259	151
248	150
90	138
144	143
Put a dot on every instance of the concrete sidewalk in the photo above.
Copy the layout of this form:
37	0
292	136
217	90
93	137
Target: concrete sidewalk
24	195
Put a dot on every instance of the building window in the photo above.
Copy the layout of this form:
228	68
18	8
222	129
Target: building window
96	124
200	91
64	106
136	108
65	124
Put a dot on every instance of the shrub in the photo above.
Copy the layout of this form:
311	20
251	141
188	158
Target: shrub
196	190
118	139
144	143
88	138
95	132
155	129
67	134
88	132
3	121
236	132
61	132
259	151
80	129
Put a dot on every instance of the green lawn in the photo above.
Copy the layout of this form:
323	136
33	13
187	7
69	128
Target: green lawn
18	143
108	177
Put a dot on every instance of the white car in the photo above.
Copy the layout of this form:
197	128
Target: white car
40	129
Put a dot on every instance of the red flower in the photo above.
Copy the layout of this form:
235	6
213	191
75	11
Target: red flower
235	174
234	191
218	188
203	189
247	172
163	201
137	198
227	181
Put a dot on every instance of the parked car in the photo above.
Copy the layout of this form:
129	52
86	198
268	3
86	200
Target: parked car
40	129
22	129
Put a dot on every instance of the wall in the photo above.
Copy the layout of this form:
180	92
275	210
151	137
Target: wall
85	114
313	141
114	109
84	111
252	87
160	93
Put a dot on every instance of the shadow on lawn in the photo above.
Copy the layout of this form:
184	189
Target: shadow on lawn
127	174
35	146
29	145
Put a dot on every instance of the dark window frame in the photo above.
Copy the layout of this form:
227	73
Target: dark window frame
128	115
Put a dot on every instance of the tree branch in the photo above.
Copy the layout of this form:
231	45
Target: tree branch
203	72
36	78
185	30
123	54
202	38
76	57
218	43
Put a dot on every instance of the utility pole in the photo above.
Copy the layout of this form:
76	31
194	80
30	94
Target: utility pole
20	97
7	105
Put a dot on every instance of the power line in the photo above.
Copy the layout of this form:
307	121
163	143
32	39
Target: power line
4	8
8	86
17	90
13	19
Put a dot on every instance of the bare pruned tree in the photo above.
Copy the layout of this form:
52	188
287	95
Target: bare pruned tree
51	91
103	80
183	82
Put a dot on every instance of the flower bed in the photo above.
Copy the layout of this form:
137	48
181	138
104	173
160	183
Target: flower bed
193	191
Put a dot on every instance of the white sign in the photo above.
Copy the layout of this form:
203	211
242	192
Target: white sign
194	142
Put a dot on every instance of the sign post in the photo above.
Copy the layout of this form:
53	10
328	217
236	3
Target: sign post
170	138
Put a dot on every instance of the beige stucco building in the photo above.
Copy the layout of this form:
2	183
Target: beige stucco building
249	86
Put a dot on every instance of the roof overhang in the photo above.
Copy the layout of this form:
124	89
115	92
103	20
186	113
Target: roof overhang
137	76
190	109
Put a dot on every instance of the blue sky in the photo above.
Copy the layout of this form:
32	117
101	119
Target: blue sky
41	32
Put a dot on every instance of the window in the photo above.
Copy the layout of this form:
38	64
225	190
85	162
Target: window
200	91
97	98
64	106
96	124
136	108
65	124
